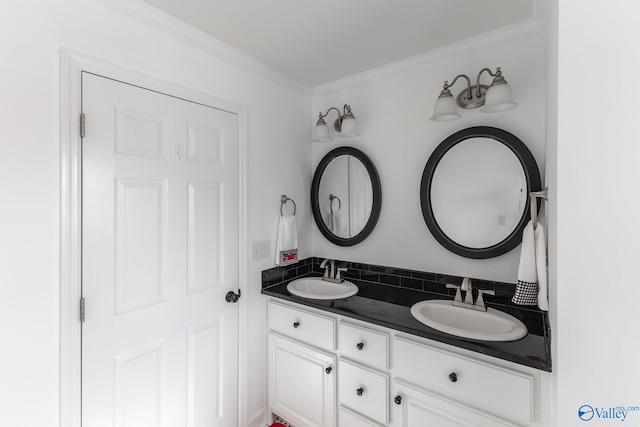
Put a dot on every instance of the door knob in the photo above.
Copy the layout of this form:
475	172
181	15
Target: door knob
360	391
232	296
360	345
397	400
296	324
453	377
328	369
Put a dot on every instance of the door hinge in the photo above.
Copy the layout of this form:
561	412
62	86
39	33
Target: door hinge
82	310
82	125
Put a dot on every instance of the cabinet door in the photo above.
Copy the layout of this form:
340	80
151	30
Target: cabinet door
301	383
417	408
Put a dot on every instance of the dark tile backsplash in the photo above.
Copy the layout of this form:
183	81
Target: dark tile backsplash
391	276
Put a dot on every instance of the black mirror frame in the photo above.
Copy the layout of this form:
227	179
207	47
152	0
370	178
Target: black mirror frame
377	196
532	174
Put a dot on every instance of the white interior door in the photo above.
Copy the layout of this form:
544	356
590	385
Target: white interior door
159	254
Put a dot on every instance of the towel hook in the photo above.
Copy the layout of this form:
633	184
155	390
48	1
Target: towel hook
283	200
331	199
534	204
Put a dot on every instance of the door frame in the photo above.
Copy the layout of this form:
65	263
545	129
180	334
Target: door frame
73	64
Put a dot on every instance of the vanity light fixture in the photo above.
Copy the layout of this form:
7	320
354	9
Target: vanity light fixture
492	99
346	125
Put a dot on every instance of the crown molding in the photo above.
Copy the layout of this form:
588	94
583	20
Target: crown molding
160	21
519	31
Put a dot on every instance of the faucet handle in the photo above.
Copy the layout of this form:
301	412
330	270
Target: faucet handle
480	300
458	297
339	272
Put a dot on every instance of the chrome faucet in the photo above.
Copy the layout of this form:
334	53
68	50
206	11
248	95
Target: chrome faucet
331	273
467	286
329	270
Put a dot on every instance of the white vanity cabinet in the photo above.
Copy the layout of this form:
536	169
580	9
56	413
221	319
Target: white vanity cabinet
327	370
301	366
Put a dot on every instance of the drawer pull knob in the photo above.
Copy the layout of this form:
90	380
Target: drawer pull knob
296	324
453	377
328	370
360	391
397	400
360	345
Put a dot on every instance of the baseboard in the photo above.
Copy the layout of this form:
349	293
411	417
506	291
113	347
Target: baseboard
258	419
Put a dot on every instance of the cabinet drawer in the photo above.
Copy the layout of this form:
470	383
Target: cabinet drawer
364	390
494	389
365	345
304	326
347	418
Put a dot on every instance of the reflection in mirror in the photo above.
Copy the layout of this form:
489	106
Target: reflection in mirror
346	196
478	192
475	191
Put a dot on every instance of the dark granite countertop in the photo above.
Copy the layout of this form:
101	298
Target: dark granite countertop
390	307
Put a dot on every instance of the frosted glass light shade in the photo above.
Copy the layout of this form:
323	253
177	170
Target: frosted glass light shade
498	98
349	127
445	109
321	133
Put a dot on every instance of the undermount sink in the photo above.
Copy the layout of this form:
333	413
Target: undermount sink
492	325
316	288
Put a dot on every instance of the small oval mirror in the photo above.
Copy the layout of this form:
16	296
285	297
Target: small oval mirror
346	196
475	191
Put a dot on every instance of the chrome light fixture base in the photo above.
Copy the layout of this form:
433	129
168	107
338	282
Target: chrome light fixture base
492	99
476	100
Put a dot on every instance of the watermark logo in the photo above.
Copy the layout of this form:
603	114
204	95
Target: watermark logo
586	413
614	413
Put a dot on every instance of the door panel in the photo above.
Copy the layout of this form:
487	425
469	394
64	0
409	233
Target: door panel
160	251
205	219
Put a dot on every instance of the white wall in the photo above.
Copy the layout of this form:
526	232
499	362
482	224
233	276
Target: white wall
598	227
393	105
32	35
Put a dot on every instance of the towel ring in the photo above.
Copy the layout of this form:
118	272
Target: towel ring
283	200
331	199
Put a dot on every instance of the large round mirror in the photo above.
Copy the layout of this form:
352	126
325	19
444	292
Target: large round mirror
475	191
346	196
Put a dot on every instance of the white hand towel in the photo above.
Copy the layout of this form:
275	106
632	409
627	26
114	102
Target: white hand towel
532	271
331	221
337	223
541	267
287	241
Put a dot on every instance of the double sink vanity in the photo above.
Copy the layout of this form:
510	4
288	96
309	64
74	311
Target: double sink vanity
366	360
361	345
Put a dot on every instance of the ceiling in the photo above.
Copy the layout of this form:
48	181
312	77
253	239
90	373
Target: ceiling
316	42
